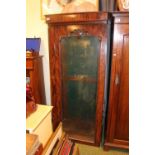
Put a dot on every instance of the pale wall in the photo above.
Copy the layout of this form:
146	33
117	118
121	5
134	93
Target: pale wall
38	28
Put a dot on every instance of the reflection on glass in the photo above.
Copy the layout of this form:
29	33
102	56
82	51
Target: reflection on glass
79	79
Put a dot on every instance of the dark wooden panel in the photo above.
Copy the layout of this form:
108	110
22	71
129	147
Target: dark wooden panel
121	17
122	121
92	17
54	59
34	70
117	133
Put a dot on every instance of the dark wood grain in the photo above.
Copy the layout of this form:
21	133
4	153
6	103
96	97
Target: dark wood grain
117	133
60	26
83	18
35	71
54	59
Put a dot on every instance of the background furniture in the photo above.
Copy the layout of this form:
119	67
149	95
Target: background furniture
34	75
33	146
117	131
78	58
56	142
40	138
39	123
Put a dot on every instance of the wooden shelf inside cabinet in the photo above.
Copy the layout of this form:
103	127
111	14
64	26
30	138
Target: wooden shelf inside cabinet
34	76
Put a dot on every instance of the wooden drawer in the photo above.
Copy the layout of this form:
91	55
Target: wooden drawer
44	130
29	64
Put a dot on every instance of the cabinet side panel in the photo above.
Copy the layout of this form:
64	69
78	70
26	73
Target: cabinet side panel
122	121
117	131
55	80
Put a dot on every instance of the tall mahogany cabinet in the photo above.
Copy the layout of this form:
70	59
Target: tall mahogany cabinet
78	61
89	67
117	131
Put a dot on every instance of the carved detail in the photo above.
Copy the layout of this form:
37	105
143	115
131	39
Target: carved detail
78	32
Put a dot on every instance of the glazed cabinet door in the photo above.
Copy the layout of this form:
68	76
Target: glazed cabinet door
117	133
78	51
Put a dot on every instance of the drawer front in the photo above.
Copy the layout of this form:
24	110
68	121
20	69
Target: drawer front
44	130
29	64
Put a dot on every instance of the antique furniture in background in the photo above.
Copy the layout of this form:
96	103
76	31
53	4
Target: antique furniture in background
39	123
117	131
30	102
40	138
33	146
34	76
78	61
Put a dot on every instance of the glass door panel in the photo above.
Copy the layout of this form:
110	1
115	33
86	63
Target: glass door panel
79	56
